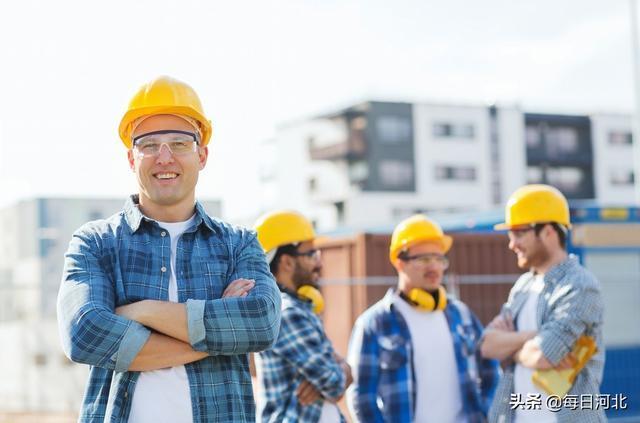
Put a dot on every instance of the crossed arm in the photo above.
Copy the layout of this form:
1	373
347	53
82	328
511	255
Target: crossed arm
168	345
502	342
150	335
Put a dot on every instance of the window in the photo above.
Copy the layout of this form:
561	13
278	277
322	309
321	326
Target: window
562	140
621	177
393	129
313	184
567	179
458	173
396	174
358	171
339	206
533	137
453	130
620	138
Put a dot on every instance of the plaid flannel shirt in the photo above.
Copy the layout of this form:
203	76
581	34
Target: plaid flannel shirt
381	356
125	259
570	305
302	352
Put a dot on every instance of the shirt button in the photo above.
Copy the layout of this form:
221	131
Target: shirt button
163	269
163	233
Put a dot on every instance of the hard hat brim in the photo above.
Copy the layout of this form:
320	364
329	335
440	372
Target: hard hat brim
446	242
124	129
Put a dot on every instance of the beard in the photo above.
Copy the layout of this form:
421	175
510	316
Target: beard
535	256
302	276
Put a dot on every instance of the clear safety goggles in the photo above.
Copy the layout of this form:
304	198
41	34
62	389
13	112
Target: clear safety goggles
428	259
180	143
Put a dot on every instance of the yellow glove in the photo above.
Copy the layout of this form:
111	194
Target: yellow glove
558	382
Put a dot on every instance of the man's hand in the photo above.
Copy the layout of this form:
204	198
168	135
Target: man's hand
307	394
239	288
530	355
500	340
567	362
501	323
170	318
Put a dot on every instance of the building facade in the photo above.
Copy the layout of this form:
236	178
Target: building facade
377	162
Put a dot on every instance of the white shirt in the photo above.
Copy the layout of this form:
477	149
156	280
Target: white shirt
330	413
438	397
527	320
163	395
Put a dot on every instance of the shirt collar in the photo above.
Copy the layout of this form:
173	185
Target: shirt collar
388	299
294	297
134	216
558	272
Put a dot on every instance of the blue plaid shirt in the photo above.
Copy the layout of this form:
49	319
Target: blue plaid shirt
570	305
124	259
381	354
302	352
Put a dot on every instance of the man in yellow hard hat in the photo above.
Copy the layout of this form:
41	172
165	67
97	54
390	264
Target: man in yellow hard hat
414	353
301	377
549	308
161	300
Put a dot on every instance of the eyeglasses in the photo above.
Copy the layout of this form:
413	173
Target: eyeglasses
428	259
314	254
180	143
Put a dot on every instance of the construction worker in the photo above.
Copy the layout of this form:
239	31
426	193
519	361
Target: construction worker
549	308
301	377
161	300
414	353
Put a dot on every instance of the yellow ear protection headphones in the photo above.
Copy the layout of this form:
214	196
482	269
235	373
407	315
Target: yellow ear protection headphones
308	293
313	295
426	301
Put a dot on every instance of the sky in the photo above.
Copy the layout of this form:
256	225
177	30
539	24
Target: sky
68	69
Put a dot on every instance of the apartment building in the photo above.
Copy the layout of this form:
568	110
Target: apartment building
377	162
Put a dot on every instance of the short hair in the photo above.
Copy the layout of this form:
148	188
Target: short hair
560	229
288	249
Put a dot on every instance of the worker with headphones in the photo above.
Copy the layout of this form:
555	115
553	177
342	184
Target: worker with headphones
301	377
414	353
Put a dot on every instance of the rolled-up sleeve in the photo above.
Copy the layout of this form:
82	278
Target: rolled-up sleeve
578	310
90	331
238	325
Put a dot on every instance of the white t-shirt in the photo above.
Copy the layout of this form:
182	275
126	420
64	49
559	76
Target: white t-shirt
527	320
163	395
330	413
438	397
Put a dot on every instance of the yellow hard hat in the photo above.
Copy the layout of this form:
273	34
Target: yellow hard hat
283	227
164	95
414	230
535	203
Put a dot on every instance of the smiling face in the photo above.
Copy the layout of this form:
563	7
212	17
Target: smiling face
529	247
167	181
423	273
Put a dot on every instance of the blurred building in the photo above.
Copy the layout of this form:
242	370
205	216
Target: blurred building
36	376
378	162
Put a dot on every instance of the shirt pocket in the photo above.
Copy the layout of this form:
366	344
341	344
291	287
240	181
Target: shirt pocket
214	279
